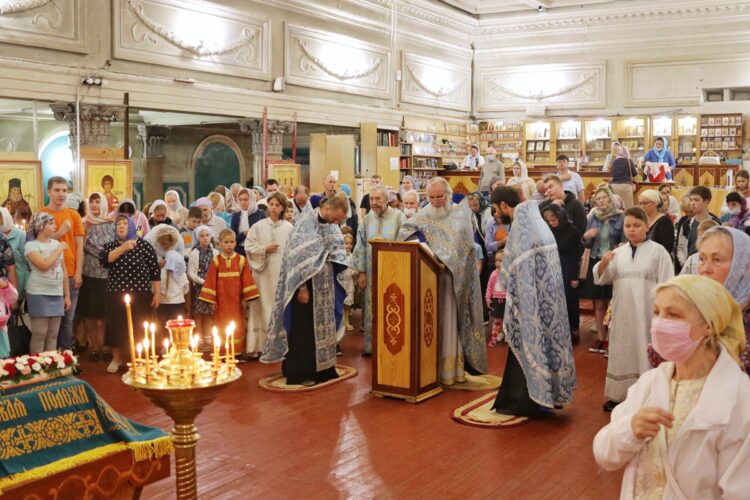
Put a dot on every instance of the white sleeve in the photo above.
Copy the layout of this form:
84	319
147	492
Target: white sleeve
192	267
608	276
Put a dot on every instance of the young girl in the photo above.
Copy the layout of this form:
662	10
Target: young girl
495	298
47	292
264	248
635	269
348	282
200	258
169	248
229	284
8	297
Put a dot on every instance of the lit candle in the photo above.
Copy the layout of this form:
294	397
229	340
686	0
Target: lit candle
217	343
145	351
152	328
231	342
145	329
130	328
226	351
166	346
139	349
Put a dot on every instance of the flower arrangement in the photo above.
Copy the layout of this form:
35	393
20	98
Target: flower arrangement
42	365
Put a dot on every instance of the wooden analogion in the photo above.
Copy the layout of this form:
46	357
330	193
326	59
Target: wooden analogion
406	326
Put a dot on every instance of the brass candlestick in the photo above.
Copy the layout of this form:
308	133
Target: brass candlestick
182	384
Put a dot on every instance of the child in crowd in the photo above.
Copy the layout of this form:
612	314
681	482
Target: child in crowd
691	264
170	252
634	269
201	255
47	291
158	213
192	221
348	282
495	298
8	298
289	213
228	284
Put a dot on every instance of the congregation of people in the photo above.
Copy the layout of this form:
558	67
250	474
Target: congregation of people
668	282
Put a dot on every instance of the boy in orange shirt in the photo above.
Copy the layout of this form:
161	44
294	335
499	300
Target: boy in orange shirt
70	231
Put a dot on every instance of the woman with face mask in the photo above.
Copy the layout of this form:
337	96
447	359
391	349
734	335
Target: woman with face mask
660	153
737	214
682	432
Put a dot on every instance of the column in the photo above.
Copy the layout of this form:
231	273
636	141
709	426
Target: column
94	127
153	137
276	131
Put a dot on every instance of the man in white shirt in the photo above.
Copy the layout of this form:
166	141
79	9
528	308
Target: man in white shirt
473	161
571	180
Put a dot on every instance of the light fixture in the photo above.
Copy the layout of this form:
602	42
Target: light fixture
92	80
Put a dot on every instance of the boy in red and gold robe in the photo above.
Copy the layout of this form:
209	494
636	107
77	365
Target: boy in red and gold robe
228	284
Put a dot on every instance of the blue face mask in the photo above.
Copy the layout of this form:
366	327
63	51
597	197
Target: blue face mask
657	148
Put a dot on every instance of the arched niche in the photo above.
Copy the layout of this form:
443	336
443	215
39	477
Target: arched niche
217	160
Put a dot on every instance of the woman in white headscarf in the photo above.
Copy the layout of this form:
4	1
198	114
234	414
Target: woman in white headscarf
521	178
246	216
233	203
175	210
218	206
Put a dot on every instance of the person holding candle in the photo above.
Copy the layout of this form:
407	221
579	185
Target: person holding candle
134	270
228	284
170	250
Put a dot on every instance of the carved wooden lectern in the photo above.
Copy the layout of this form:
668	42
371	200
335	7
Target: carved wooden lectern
405	325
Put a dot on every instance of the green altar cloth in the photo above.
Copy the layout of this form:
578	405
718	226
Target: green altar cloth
58	424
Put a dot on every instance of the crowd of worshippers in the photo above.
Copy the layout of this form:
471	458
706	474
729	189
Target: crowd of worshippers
669	284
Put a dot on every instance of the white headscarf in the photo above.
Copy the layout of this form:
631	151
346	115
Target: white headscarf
155	205
233	203
251	209
174	257
103	208
7	220
173	211
524	170
221	206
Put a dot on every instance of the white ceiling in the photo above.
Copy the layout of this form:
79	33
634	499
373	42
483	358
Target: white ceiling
488	7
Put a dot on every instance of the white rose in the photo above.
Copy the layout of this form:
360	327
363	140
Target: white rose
36	367
61	364
20	366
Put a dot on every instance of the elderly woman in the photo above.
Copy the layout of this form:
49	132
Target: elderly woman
233	204
623	173
682	431
724	256
175	211
245	217
660	228
521	180
218	207
410	202
604	232
133	270
92	302
127	207
481	212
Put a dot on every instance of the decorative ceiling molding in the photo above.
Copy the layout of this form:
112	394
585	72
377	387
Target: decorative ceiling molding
199	49
440	16
542	95
557	86
18	6
332	61
436	83
347	74
171	33
630	12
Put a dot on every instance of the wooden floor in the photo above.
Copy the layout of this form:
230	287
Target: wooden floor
343	443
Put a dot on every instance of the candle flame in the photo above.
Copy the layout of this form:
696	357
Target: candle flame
166	344
152	327
215	331
179	318
127	299
145	325
139	348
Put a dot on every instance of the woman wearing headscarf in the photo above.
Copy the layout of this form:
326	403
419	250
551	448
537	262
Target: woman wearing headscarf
218	207
604	232
660	153
175	211
159	214
233	204
260	197
133	270
738	215
91	304
352	218
16	238
682	431
245	218
407	184
660	227
725	257
623	174
481	215
127	207
569	250
521	178
170	253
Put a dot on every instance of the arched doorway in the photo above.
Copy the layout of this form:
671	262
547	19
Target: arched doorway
217	160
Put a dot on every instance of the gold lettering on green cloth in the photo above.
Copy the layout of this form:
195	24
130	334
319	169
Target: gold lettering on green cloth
11	409
64	397
38	435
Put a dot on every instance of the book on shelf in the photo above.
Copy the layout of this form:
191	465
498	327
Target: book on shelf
388	138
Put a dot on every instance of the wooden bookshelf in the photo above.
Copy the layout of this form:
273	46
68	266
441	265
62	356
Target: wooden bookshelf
537	144
721	133
597	141
686	141
379	150
633	133
503	135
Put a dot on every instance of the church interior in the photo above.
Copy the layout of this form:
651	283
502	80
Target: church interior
137	98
